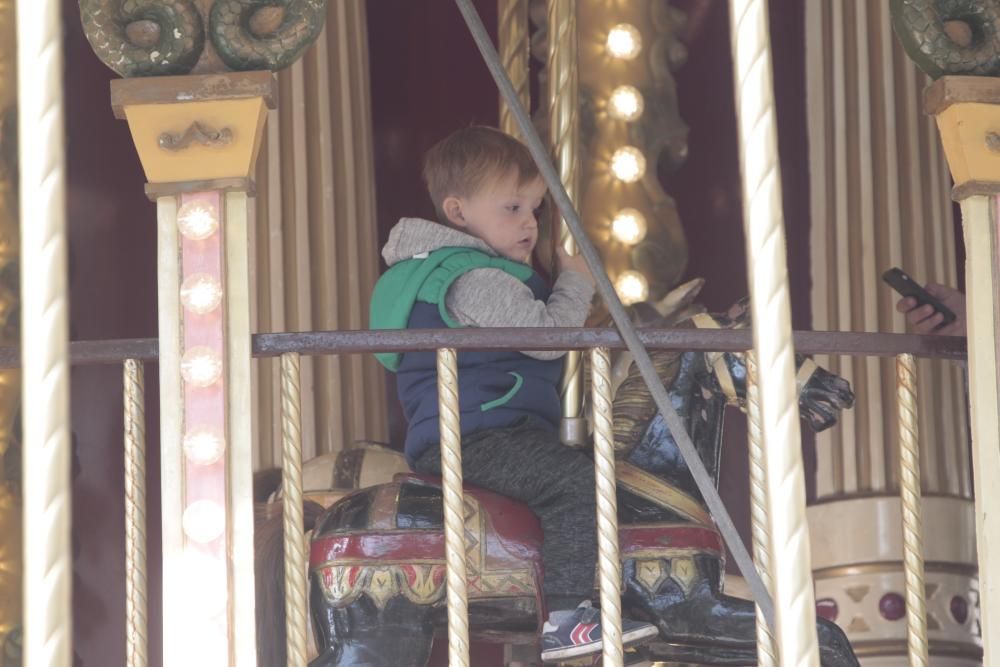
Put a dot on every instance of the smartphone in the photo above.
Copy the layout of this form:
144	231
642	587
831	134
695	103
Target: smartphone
908	287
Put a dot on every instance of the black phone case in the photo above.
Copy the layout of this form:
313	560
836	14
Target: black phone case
907	287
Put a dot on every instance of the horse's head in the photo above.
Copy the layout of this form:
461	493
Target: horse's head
822	394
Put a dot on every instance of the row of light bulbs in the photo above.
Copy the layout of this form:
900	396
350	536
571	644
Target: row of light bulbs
203	521
628	164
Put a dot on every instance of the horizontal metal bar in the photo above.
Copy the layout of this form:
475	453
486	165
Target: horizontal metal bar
92	352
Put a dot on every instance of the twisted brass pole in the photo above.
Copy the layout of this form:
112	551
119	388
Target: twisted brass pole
512	37
454	508
291	499
48	568
609	565
768	279
766	656
909	476
136	641
564	135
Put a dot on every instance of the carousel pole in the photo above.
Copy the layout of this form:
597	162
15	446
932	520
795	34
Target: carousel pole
198	134
784	476
968	112
512	37
564	137
48	569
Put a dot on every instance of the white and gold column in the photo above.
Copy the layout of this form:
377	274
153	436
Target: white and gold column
198	138
967	110
879	192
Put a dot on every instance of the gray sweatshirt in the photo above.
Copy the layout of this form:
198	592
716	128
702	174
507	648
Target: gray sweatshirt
492	297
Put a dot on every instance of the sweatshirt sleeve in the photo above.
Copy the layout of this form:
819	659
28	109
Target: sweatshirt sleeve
494	298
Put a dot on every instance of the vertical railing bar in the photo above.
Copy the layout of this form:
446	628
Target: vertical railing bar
766	655
909	478
291	500
454	508
136	600
609	565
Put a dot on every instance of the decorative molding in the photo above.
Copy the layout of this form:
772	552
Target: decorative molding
141	38
195	132
862	91
314	240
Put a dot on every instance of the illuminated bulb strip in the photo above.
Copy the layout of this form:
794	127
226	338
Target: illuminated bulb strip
201	293
203	446
628	164
625	103
204	521
624	41
197	220
632	287
201	367
628	226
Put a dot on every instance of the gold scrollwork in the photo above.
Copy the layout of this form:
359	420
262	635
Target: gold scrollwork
197	132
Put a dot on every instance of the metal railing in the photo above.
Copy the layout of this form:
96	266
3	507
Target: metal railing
291	346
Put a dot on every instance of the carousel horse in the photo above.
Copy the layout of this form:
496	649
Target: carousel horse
377	563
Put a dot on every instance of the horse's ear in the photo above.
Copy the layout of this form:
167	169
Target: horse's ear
679	298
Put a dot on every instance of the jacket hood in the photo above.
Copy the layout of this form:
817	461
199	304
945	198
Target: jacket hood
416	236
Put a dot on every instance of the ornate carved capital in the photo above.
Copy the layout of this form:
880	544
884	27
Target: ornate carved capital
162	37
950	36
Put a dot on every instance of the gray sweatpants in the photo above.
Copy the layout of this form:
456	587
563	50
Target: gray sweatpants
527	462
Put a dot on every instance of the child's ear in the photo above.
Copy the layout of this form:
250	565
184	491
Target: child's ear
452	208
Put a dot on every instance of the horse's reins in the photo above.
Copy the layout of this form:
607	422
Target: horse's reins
703	480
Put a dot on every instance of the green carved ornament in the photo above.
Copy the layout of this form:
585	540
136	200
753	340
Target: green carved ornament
950	36
243	45
162	37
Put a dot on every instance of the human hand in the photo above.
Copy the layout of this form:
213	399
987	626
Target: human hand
925	320
568	262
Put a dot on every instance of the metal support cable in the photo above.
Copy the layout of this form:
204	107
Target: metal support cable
701	477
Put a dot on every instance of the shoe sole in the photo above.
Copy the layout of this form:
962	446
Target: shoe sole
629	638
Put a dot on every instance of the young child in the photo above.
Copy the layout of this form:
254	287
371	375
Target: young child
473	270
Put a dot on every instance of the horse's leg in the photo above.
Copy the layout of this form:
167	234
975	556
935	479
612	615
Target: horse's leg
701	625
361	635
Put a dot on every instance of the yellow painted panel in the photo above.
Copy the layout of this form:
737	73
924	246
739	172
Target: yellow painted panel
965	129
244	118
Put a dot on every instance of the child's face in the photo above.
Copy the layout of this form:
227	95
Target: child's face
503	215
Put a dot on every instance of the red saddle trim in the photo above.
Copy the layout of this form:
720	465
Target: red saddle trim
513	523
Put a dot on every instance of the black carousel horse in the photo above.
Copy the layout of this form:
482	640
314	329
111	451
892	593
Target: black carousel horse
377	566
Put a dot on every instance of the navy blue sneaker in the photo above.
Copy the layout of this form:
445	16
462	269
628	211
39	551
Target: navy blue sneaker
580	634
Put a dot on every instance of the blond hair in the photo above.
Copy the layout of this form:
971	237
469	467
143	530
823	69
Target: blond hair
467	160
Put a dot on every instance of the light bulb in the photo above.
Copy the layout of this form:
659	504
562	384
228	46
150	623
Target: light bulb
628	164
204	521
197	220
625	103
205	643
201	293
624	41
203	446
201	366
628	226
632	287
205	579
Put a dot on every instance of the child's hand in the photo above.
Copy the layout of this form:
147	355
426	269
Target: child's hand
576	263
925	320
